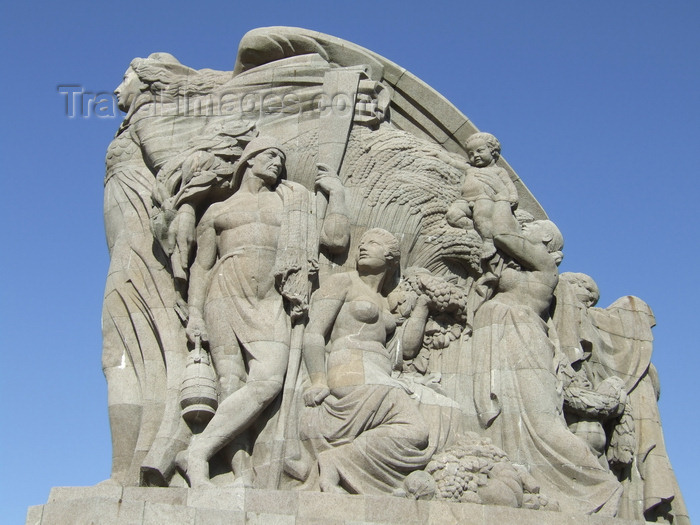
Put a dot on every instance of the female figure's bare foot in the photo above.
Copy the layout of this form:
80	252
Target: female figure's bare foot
329	477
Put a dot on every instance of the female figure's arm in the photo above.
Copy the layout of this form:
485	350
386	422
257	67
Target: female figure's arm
530	256
325	306
414	328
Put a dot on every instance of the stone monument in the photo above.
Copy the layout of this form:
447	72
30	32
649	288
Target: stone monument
330	300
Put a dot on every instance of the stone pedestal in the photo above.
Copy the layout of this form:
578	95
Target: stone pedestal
101	505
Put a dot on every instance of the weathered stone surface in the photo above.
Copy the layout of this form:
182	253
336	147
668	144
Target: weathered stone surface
156	513
324	279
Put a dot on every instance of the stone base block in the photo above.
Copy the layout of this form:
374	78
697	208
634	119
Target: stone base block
109	504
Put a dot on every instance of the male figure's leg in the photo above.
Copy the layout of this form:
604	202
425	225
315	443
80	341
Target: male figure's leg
267	363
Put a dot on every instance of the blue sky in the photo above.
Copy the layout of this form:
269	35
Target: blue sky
596	104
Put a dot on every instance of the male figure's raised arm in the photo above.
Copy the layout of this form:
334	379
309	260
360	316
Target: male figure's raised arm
335	232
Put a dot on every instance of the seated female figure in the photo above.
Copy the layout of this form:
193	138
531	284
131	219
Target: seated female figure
365	429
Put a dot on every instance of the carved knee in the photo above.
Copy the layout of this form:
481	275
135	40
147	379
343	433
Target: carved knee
266	390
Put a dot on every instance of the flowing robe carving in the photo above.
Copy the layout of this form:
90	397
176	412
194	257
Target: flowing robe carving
516	389
142	334
619	341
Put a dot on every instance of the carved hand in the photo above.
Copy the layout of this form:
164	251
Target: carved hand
186	234
314	395
423	301
196	329
327	180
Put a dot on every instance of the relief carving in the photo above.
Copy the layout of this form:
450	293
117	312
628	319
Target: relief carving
324	277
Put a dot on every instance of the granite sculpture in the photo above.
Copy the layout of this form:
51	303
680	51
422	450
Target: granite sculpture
324	278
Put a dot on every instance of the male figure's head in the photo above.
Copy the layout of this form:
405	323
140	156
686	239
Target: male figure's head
263	158
267	165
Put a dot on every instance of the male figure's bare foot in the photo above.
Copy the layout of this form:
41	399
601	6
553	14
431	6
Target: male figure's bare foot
196	470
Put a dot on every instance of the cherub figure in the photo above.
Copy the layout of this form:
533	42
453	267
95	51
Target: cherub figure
488	196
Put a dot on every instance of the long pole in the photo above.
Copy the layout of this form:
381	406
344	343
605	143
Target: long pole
334	131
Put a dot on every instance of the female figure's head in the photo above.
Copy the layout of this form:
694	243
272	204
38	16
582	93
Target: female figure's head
378	247
379	252
130	88
584	286
163	74
547	233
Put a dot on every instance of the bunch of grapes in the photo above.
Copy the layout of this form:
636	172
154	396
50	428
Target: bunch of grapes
458	482
441	331
447	303
443	295
461	469
452	480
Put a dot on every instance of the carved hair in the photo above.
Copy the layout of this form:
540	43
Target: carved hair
490	140
163	73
